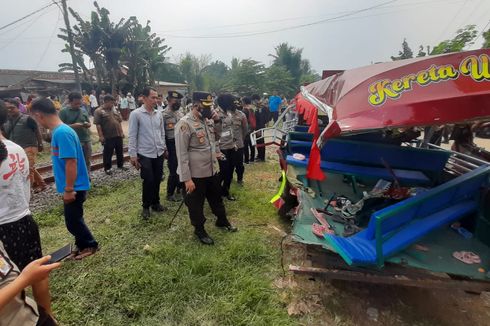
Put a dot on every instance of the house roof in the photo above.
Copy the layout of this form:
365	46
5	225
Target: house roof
170	84
10	77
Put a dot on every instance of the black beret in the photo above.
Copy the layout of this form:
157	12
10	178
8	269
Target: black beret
226	101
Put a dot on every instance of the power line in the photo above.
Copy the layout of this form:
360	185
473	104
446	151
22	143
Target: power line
411	4
32	21
482	32
28	15
458	12
234	35
50	39
289	27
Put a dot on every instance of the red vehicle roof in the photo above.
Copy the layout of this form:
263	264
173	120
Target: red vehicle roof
422	91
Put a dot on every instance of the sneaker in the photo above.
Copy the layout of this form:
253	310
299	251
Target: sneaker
123	168
230	198
108	172
86	252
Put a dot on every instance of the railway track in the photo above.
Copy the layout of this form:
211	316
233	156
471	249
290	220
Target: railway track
97	164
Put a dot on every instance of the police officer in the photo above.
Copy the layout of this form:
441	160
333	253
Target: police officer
171	115
197	157
227	142
240	131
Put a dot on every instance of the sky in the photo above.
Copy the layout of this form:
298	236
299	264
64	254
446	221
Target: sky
334	34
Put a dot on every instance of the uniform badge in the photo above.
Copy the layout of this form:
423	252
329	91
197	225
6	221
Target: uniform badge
5	266
201	140
170	126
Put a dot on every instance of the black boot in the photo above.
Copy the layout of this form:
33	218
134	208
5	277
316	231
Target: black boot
145	214
203	236
226	225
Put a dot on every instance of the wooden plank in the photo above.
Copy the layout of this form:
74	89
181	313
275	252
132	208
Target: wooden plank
404	280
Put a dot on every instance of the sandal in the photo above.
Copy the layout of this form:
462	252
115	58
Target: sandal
320	230
320	218
86	252
467	257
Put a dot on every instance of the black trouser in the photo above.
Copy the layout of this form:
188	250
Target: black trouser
28	248
275	115
111	145
260	149
240	169
151	172
76	224
249	150
173	178
226	168
206	188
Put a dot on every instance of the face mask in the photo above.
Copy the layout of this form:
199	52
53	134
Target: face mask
175	106
206	113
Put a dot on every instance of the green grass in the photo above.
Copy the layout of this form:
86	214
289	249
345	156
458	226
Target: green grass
178	281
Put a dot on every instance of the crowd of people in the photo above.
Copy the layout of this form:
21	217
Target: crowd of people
205	140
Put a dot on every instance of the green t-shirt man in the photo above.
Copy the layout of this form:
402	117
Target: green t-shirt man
70	116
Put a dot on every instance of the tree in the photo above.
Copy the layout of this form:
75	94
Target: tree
486	39
144	55
277	78
115	48
215	76
421	52
192	69
405	53
245	77
464	37
290	58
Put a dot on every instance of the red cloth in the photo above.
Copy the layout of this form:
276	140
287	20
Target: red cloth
252	122
313	170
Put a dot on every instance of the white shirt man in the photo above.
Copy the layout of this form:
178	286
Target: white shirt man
131	102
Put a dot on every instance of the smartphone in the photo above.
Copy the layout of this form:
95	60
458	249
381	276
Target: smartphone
60	254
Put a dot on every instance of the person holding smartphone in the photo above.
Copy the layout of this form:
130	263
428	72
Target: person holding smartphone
18	229
15	307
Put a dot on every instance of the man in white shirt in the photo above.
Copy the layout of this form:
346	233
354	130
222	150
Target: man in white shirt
131	102
16	221
124	106
93	102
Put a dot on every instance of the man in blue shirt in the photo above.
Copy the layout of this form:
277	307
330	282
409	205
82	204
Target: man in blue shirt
274	105
70	174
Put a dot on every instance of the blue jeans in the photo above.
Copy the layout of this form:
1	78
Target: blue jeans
76	224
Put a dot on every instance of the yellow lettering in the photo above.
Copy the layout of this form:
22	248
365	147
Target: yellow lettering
447	72
397	85
380	91
423	78
432	73
476	68
407	81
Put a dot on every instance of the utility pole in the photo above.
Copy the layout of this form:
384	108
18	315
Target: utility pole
72	48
